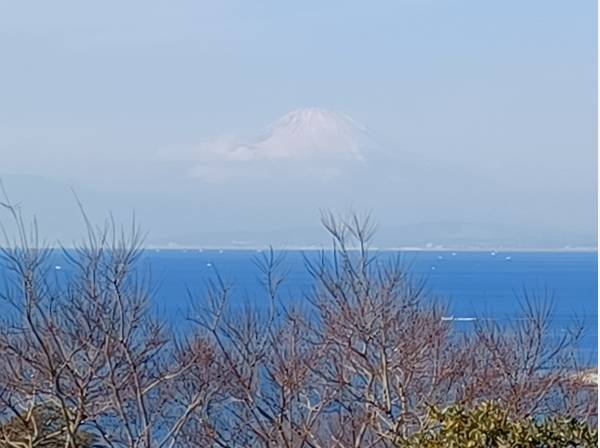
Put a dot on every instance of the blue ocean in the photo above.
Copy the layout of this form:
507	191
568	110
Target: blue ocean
475	284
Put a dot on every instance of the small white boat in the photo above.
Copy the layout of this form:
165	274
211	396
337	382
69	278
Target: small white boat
458	319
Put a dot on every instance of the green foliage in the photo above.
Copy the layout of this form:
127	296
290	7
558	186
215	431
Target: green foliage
44	427
489	426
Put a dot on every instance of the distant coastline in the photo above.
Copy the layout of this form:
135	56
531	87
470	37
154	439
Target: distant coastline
176	247
315	247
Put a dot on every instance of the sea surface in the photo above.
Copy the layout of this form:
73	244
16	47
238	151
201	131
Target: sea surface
476	284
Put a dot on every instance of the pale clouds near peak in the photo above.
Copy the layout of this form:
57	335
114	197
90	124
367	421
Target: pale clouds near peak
310	143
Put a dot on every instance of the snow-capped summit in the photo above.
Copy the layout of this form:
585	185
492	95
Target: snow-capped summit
307	133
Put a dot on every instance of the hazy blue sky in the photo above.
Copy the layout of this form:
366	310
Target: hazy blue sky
92	93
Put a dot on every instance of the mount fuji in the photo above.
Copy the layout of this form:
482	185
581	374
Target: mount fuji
308	133
316	144
320	148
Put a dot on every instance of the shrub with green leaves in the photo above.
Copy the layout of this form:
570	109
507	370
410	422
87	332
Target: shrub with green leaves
489	426
44	427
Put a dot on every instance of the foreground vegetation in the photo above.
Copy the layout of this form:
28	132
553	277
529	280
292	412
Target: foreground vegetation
490	425
366	360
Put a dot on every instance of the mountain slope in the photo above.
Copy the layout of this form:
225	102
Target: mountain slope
303	134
